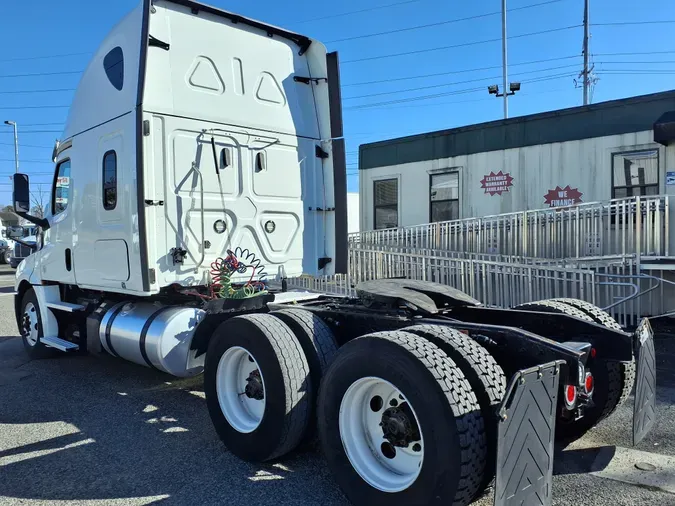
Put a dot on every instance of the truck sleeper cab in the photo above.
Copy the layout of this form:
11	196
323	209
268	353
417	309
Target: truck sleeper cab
202	165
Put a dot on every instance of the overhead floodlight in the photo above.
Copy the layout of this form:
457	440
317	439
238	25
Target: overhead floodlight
493	89
514	87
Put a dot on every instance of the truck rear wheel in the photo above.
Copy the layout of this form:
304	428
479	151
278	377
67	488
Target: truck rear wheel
30	327
257	385
315	337
486	377
609	379
7	256
399	423
318	343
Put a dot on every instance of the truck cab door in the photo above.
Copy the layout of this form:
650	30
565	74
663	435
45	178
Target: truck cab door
56	256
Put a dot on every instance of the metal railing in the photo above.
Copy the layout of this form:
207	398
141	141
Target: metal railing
591	251
500	284
616	285
635	225
339	284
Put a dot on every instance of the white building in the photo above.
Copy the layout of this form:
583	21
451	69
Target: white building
607	150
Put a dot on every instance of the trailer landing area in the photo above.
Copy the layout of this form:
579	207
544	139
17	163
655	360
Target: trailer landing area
99	431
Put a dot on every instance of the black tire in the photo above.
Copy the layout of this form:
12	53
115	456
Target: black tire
7	256
288	387
625	369
315	337
485	375
447	410
607	377
318	343
37	350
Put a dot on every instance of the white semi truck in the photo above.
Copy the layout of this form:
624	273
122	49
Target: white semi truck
201	166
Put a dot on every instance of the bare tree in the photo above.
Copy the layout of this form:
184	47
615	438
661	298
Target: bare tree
39	200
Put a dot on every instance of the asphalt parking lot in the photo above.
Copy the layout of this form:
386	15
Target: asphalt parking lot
80	430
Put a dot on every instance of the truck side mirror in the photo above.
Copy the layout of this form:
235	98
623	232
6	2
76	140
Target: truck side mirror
21	199
21	193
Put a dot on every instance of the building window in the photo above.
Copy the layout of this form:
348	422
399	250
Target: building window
113	63
109	180
61	188
444	197
635	173
386	203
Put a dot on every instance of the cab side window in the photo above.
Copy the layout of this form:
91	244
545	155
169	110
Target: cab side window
109	181
61	191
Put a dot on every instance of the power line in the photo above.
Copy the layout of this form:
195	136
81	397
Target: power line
637	62
35	107
370	9
465	44
455	92
24	132
473	100
26	145
35	91
638	71
456	82
460	71
43	74
627	23
29	173
415	99
43	57
40	124
25	161
441	23
634	54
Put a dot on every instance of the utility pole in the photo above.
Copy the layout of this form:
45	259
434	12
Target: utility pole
504	60
586	37
16	144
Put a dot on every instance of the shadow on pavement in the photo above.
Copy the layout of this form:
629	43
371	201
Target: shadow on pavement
108	429
585	460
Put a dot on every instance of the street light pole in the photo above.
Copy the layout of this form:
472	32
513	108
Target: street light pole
504	60
16	144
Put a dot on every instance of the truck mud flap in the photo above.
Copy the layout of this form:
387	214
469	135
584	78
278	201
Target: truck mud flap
644	410
526	434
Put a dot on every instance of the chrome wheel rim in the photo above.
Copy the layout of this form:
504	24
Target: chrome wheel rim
29	324
241	389
373	413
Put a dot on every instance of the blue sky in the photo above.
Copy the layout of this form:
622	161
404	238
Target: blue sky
400	102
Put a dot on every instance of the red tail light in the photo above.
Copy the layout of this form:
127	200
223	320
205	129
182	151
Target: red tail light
593	353
589	384
570	396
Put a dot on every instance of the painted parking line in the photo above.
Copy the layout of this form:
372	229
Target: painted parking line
636	467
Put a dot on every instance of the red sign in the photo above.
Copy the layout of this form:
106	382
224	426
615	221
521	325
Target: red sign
496	183
563	197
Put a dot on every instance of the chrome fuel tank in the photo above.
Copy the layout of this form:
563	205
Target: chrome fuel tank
153	335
